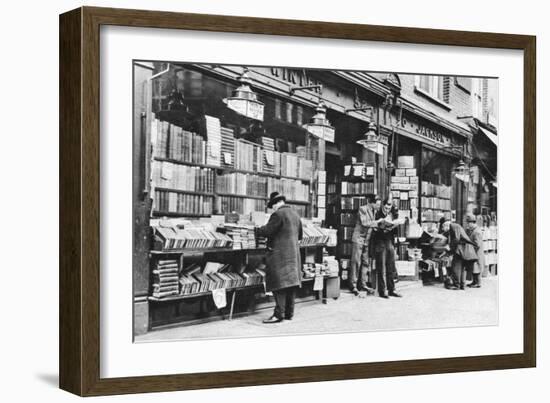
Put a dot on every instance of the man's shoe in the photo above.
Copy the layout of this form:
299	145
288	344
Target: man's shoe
355	291
462	287
471	285
395	294
475	286
272	319
383	296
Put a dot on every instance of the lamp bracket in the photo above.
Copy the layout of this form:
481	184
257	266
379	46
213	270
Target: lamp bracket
293	89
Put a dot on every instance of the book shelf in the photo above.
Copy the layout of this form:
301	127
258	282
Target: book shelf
209	171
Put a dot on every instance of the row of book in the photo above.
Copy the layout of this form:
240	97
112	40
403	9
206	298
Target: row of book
348	218
185	204
190	238
346	233
435	203
199	282
441	191
355	188
182	177
295	165
165	278
242	184
292	189
352	202
404	179
239	205
171	141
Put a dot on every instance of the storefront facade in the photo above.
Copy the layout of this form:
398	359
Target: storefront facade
191	96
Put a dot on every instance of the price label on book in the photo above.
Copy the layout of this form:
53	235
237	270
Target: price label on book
219	297
318	283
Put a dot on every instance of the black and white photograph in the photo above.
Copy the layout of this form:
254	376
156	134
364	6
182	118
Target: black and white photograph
281	200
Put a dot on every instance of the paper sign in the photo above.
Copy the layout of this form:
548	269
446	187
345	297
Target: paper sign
220	299
321	188
166	171
227	158
318	283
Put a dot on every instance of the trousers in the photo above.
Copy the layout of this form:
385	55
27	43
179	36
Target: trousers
284	302
385	263
359	267
459	269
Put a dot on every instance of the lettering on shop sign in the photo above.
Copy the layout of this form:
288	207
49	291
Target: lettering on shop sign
425	131
295	77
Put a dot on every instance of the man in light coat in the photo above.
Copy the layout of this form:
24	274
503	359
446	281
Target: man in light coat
360	252
476	236
283	261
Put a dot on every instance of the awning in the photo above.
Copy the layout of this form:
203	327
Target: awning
491	136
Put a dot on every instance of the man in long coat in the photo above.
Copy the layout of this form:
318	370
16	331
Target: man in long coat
476	236
360	251
283	261
462	260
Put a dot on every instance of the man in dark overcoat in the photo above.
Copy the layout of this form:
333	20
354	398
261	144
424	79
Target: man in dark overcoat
283	261
475	234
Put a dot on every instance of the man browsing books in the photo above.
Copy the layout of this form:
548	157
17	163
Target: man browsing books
360	252
283	261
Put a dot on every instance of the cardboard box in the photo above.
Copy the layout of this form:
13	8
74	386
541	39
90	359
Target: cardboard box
410	172
399	179
406	268
405	161
413	179
403	195
400	172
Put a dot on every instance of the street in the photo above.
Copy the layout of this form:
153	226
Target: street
421	307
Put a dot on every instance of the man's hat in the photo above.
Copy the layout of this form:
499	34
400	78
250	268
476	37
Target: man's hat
275	197
471	218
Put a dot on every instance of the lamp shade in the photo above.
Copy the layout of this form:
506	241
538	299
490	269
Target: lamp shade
371	141
319	126
244	101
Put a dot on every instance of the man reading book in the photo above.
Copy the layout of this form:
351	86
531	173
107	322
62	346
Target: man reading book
384	249
283	261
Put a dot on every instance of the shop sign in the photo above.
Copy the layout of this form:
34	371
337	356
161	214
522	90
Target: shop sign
295	77
253	110
425	132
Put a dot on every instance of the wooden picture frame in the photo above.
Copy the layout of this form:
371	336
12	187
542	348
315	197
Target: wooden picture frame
80	185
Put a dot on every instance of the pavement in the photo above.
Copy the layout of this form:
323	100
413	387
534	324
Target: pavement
421	307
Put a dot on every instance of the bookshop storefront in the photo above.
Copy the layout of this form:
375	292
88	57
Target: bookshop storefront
213	164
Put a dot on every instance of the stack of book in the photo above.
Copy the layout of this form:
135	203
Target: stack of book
181	177
212	129
346	233
242	235
165	279
191	237
228	148
313	235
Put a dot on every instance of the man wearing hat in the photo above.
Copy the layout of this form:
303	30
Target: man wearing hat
283	231
476	236
361	250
